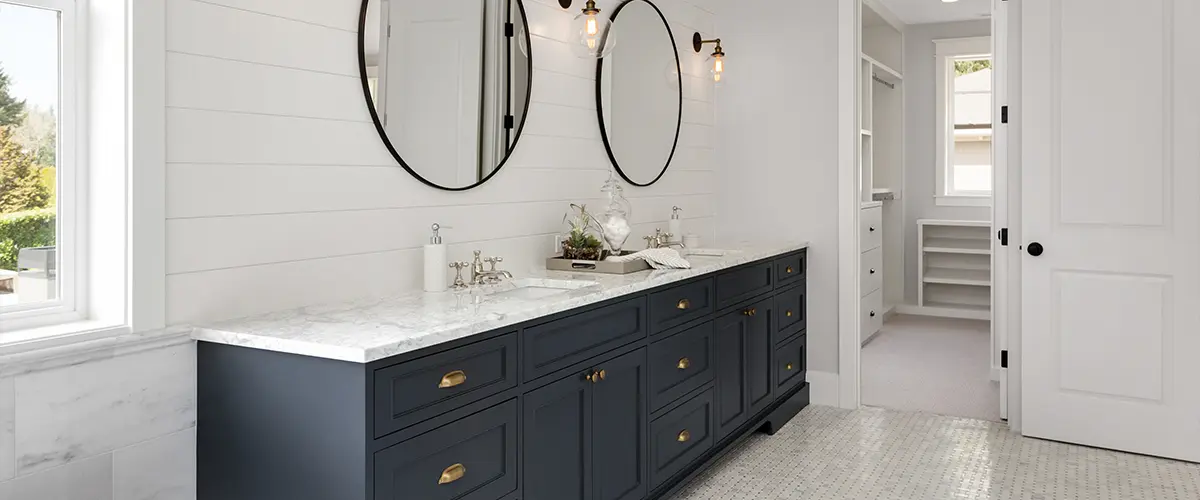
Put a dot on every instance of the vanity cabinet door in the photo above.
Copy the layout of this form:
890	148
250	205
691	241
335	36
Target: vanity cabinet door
619	440
730	372
558	444
744	369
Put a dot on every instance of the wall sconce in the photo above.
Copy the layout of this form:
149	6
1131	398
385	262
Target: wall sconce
596	38
717	59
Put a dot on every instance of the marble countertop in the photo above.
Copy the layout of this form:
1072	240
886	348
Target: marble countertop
366	330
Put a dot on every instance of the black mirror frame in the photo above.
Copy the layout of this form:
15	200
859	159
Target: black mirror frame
366	88
600	99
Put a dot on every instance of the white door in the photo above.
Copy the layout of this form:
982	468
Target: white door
434	86
1110	172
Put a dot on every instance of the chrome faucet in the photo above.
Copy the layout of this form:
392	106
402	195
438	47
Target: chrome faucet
661	240
479	276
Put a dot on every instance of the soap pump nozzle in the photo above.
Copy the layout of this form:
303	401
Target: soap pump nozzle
436	239
675	212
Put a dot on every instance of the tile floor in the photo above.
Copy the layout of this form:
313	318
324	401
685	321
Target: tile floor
832	454
937	365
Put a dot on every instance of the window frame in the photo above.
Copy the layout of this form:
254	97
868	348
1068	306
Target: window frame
70	177
945	53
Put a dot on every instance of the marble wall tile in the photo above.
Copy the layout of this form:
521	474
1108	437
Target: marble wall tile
160	469
88	479
72	413
8	408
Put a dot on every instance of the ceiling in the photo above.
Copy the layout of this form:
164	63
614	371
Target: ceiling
936	11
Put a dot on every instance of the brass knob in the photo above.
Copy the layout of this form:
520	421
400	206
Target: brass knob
750	312
602	374
683	304
452	473
684	436
789	314
789	269
592	377
684	363
454	378
788	367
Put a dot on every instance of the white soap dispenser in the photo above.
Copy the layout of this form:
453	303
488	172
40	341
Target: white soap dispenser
675	226
436	267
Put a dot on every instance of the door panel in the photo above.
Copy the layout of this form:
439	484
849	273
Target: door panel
731	372
619	429
1110	166
759	351
558	446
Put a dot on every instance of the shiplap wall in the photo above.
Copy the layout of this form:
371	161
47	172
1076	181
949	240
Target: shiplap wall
280	193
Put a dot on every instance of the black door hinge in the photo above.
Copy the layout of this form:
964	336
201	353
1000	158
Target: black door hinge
1004	359
510	30
509	121
1003	235
1003	114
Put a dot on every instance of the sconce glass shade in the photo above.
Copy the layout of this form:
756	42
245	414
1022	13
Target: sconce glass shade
596	38
716	68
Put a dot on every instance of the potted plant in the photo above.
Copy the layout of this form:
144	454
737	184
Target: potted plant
581	242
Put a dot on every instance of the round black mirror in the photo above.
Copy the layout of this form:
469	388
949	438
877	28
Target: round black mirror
448	84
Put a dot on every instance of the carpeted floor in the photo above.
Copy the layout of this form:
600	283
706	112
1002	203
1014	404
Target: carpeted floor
935	365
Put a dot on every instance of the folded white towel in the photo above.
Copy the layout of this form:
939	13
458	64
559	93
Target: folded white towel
658	258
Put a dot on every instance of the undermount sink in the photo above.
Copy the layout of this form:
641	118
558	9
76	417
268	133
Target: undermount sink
538	288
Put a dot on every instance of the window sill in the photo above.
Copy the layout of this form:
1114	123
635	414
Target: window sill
962	201
37	349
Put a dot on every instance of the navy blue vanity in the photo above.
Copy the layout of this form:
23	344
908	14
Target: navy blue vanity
624	399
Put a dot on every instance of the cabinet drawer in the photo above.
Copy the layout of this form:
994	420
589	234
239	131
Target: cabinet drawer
871	273
744	283
471	459
680	364
791	307
564	342
678	305
791	268
790	363
411	392
872	314
871	222
680	437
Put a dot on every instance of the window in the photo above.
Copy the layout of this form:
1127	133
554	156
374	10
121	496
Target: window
964	121
39	164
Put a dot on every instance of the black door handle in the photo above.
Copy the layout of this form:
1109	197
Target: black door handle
1035	249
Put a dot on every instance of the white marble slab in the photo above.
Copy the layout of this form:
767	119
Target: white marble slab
160	469
89	479
371	329
75	412
8	446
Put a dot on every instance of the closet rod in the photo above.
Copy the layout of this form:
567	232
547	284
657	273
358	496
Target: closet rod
875	76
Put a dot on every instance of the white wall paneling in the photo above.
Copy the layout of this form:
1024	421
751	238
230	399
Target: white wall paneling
281	194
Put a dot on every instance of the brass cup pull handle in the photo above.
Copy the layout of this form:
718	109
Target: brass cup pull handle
788	367
750	312
789	314
684	363
602	374
789	269
683	304
684	436
452	473
452	379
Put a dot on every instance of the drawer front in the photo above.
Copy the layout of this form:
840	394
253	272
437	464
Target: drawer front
790	363
791	307
872	228
564	342
411	392
744	283
471	459
680	437
680	364
872	314
871	274
680	304
791	268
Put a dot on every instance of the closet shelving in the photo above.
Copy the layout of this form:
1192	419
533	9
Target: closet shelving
956	267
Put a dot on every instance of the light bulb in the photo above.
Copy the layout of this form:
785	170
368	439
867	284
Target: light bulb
718	68
596	38
592	26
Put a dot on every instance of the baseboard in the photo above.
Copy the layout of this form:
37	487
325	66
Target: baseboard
889	313
824	390
943	312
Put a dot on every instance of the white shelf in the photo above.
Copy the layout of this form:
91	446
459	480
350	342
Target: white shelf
966	277
958	245
889	74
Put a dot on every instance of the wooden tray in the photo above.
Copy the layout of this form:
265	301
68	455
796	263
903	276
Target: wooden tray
596	266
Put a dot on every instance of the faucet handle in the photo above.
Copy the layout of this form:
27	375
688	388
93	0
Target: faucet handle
493	261
459	283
